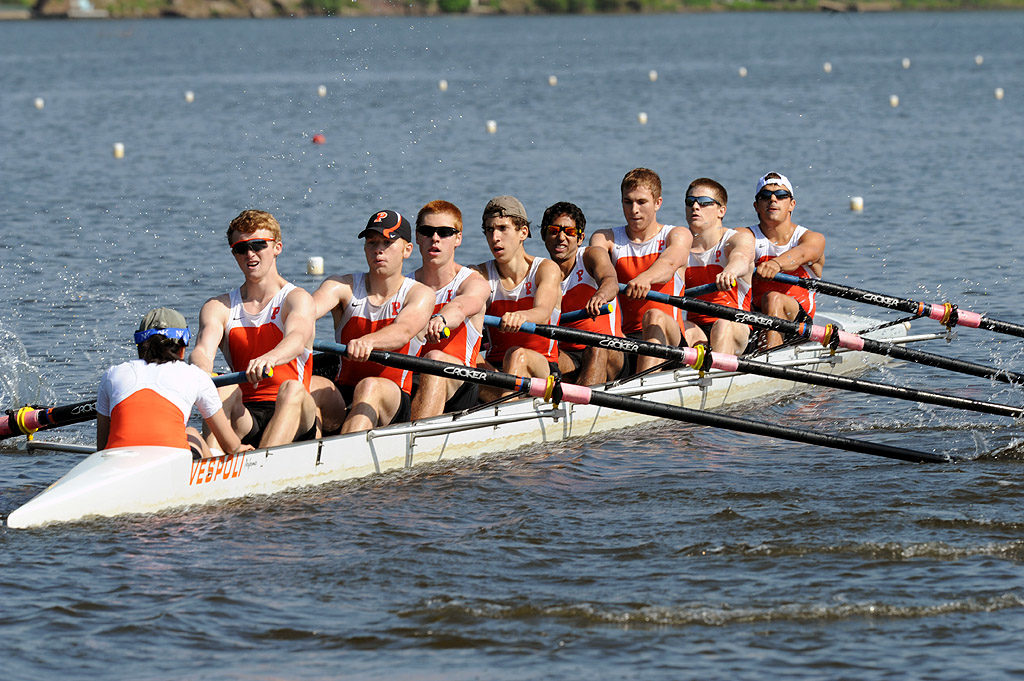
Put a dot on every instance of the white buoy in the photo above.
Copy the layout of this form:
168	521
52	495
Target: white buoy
492	127
442	85
894	101
857	203
190	96
315	265
743	72
39	103
906	62
321	90
118	150
642	118
999	93
979	60
653	75
827	67
552	80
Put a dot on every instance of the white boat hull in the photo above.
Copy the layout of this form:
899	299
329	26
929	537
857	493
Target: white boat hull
149	479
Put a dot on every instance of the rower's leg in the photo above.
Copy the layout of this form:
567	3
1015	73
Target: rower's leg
434	391
238	415
294	413
658	327
595	366
775	304
329	403
729	338
197	444
375	401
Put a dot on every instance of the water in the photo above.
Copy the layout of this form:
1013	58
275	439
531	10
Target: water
661	552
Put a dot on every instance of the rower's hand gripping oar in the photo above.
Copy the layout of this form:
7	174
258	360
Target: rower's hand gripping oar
551	389
699	358
831	336
28	420
946	313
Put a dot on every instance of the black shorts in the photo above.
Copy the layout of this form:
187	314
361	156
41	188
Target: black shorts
261	413
466	397
404	413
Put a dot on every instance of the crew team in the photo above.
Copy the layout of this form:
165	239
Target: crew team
266	326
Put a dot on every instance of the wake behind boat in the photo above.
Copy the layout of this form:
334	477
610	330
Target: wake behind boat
132	480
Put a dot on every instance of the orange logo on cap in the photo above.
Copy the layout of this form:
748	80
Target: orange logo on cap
387	232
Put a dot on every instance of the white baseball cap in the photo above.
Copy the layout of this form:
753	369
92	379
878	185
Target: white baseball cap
781	179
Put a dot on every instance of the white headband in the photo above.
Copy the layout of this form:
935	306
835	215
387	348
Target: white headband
781	179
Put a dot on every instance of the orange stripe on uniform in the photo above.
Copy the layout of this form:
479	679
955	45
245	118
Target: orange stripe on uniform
145	418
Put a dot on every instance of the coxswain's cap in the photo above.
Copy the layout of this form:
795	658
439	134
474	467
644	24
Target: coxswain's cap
781	180
390	224
163	321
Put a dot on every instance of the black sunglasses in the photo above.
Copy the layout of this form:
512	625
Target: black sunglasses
704	201
244	246
767	194
443	232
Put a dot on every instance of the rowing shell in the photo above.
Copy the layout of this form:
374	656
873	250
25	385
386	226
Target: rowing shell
149	479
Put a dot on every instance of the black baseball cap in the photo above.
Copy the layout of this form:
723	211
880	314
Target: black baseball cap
389	223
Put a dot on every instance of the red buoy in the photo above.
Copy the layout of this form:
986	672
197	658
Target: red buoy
319	139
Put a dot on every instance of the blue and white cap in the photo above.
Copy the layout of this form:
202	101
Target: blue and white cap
163	321
781	179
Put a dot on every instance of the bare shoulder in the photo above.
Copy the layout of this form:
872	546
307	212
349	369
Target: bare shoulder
602	238
216	307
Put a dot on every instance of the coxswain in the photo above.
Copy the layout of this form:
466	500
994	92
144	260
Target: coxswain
460	300
588	282
378	310
147	401
720	256
648	256
780	245
265	324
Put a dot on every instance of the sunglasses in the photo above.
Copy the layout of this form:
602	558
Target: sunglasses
245	245
443	232
704	201
767	194
568	230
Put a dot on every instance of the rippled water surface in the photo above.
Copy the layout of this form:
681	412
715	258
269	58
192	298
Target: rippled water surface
667	551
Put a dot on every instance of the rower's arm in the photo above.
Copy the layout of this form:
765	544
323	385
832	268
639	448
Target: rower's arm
102	431
228	440
739	260
810	250
212	321
333	291
469	301
599	265
548	295
419	304
297	314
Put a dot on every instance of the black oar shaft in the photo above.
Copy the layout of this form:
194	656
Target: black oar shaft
843	339
669	352
932	310
583	395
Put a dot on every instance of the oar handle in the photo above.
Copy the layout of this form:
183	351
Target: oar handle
577	315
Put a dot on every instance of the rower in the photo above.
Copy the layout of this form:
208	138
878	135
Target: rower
780	245
720	256
265	324
588	282
460	299
523	288
147	402
379	310
648	256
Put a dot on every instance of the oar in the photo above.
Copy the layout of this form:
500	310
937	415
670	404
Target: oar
831	336
550	389
577	315
948	314
28	420
701	359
